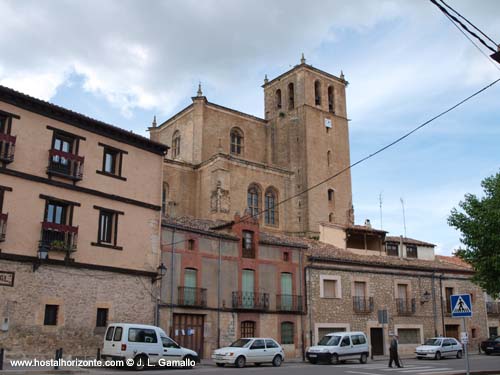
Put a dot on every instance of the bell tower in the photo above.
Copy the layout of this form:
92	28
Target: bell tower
306	110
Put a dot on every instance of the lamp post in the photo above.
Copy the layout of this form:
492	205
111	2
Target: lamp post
43	254
161	270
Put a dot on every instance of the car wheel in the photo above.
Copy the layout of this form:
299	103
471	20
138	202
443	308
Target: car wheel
459	354
140	362
438	356
335	359
220	364
257	364
277	361
240	362
363	359
487	353
313	361
419	358
186	359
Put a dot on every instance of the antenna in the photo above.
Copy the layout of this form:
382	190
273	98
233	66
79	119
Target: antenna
380	204
404	216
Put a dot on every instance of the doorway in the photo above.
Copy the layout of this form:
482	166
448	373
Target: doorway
377	341
451	330
188	331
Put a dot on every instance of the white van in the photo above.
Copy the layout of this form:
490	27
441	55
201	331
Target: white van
339	346
141	346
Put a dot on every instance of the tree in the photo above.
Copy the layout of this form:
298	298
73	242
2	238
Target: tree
479	222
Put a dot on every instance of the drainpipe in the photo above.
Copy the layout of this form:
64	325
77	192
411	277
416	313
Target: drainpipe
172	248
302	314
434	303
309	312
219	293
442	304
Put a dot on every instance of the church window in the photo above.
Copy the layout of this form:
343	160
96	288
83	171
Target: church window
331	106
317	92
253	198
176	144
271	214
278	99
291	99
236	141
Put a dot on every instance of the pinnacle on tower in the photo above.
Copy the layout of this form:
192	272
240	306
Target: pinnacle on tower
154	122
302	59
342	75
199	93
266	80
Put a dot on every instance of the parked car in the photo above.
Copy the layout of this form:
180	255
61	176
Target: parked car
492	345
440	347
254	350
143	345
339	346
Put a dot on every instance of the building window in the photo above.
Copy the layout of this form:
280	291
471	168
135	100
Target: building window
328	157
248	248
190	244
392	249
329	289
107	232
63	156
474	333
409	335
291	98
51	312
331	195
164	198
236	141
411	251
331	106
112	162
286	256
317	92
278	99
253	198
247	328
330	217
102	317
271	214
287	333
176	144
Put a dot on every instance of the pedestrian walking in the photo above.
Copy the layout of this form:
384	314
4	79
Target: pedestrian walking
393	352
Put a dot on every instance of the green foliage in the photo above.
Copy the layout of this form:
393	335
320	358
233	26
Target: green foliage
479	222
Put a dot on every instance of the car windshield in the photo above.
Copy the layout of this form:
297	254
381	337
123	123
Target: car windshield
241	343
329	341
433	342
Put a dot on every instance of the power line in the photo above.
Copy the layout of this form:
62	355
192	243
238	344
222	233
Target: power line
464	26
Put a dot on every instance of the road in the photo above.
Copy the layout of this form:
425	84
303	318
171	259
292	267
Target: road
411	367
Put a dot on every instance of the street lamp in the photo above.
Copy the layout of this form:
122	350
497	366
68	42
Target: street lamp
161	270
42	255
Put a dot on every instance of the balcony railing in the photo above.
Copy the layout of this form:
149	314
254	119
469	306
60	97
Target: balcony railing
7	147
196	297
250	301
406	306
248	253
362	305
288	302
493	308
65	164
3	226
58	237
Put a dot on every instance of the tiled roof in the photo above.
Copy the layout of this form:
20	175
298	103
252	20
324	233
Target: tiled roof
79	120
408	241
454	260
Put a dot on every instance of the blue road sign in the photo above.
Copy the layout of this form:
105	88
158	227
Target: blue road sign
461	306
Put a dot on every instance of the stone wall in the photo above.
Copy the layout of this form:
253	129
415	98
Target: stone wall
78	292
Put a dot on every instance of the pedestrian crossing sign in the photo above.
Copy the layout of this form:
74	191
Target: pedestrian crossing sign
461	306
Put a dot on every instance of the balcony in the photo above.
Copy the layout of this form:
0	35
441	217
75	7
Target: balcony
3	226
7	147
288	302
58	237
250	301
406	306
196	297
65	164
493	308
362	305
248	253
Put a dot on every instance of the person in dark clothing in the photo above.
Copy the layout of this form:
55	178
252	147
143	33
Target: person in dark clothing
393	352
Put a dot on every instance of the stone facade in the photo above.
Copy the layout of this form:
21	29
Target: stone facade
293	147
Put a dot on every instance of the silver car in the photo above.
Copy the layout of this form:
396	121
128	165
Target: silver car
440	347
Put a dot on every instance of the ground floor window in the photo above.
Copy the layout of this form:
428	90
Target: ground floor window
493	331
102	317
248	328
409	335
287	333
50	318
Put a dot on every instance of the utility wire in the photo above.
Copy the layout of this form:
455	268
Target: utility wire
464	26
470	23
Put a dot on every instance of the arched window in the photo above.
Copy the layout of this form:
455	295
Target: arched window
164	199
287	334
247	328
271	199
253	199
236	141
329	158
331	194
331	106
278	98
330	217
317	92
291	98
176	144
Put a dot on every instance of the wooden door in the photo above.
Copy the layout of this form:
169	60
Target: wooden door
377	341
188	331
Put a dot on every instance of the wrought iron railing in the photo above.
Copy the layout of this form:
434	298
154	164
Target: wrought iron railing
3	226
406	306
65	164
58	237
250	301
7	147
188	296
288	302
362	305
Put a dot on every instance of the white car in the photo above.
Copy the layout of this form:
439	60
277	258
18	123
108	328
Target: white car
440	347
142	345
339	346
254	350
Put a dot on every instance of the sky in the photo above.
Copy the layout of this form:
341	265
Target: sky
125	61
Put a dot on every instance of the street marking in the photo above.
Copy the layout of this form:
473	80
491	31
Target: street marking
441	372
414	368
364	373
429	369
